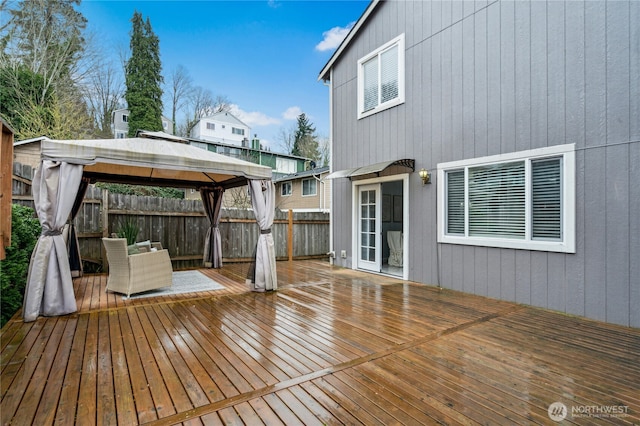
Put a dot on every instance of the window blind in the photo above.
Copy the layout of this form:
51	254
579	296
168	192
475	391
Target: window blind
309	187
546	199
370	69
455	202
497	200
389	74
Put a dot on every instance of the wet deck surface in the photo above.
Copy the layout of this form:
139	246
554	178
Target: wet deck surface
331	346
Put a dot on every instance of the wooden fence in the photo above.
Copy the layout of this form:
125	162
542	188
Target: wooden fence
181	226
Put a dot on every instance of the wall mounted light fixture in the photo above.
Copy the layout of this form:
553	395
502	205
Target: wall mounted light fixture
425	176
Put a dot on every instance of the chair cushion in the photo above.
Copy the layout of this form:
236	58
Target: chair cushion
133	249
144	246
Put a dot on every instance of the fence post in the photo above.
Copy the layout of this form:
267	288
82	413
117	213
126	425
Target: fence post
290	236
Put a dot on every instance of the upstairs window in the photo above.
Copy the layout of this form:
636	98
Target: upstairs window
286	165
125	118
381	78
522	200
237	131
211	126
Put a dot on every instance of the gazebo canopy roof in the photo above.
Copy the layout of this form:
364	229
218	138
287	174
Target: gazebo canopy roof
154	162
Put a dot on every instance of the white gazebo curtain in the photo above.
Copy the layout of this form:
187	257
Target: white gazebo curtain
262	273
49	289
212	201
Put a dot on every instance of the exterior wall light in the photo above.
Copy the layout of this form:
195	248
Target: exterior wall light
425	176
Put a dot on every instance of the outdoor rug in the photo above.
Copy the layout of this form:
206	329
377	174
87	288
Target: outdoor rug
183	282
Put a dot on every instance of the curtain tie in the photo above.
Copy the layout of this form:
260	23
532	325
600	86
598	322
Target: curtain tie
265	231
51	232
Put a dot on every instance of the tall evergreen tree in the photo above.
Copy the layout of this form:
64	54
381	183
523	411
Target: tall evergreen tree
305	140
143	78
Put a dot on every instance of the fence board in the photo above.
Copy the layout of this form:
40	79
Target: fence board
181	225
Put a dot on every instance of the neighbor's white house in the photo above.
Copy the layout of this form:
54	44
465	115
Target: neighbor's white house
222	127
120	123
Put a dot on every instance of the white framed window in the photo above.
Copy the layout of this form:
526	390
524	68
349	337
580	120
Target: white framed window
285	190
309	187
523	200
125	118
286	165
237	131
211	126
120	135
381	78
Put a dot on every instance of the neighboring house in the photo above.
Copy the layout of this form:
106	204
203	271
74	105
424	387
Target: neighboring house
120	124
222	127
305	191
281	164
527	116
27	152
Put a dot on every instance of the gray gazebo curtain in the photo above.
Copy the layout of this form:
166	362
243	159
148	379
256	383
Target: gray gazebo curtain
49	289
212	201
75	260
262	273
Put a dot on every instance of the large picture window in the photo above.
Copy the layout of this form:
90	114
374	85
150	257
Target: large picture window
521	200
381	78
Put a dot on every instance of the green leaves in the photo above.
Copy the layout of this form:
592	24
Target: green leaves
41	67
305	142
25	229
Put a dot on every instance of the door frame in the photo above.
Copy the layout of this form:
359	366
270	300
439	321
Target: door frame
355	206
367	265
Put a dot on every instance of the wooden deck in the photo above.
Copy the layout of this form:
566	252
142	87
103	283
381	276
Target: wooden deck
331	346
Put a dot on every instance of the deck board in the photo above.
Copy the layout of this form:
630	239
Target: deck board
331	346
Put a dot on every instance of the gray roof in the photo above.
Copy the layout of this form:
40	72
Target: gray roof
306	173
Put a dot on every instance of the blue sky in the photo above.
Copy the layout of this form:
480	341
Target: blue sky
264	56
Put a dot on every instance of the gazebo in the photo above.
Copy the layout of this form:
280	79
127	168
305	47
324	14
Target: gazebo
66	169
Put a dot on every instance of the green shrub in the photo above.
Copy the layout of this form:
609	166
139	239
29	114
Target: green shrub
128	229
25	229
152	191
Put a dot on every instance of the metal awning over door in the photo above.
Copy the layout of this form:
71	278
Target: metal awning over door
384	168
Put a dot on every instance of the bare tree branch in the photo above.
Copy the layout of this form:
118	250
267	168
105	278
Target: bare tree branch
104	91
180	89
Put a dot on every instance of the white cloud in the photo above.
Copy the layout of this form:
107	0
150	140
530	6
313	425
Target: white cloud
253	118
333	37
292	113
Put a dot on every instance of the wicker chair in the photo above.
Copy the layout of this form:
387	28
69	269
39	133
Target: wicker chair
130	274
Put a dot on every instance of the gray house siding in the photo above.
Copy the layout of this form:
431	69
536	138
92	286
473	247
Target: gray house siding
486	78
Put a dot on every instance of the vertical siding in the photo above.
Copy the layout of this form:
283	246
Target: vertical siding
634	160
490	77
575	132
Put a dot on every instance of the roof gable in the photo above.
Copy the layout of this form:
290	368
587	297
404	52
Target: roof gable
325	73
225	117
